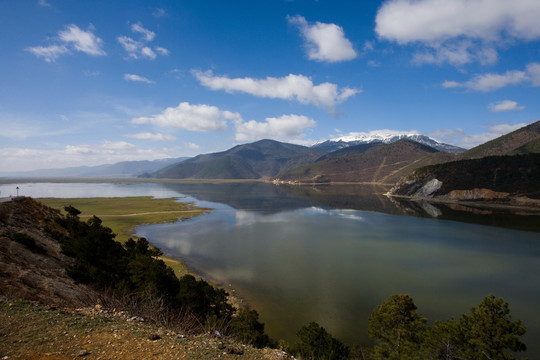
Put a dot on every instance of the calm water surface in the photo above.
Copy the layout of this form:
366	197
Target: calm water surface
332	255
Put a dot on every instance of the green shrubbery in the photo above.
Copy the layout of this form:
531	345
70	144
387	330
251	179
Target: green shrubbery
133	270
486	333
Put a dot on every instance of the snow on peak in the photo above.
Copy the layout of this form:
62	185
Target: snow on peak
384	135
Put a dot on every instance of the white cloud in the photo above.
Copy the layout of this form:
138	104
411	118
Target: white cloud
506	105
138	49
285	127
189	145
458	31
21	159
81	40
44	3
159	12
460	138
147	34
290	87
72	37
458	54
130	45
492	82
152	136
137	78
533	72
324	42
190	117
149	53
161	50
49	53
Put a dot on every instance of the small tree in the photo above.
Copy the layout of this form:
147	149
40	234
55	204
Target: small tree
317	344
398	328
489	331
245	327
72	211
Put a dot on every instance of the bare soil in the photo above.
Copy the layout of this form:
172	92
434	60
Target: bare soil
31	331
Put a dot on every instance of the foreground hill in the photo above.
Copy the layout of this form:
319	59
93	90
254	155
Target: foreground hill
369	163
32	264
37	278
510	173
258	160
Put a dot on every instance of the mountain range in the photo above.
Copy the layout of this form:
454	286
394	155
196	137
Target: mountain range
124	169
367	163
384	138
382	158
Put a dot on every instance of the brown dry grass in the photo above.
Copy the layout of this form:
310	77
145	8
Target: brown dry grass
28	331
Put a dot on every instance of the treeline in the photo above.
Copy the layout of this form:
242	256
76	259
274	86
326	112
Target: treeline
133	271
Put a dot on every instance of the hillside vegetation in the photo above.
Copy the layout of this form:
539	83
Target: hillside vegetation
371	163
508	143
258	160
503	169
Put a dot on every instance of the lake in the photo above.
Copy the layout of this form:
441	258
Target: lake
332	254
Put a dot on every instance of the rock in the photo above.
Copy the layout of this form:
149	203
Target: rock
429	188
154	337
476	194
83	353
234	351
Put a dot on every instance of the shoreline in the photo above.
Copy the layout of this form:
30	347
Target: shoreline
186	211
478	204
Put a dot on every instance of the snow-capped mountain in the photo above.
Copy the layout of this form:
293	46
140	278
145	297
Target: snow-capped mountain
383	137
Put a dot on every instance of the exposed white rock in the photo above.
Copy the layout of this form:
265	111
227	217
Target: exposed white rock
429	188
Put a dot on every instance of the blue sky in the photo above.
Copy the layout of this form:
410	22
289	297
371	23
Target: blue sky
94	82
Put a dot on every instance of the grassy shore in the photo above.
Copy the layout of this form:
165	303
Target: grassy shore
124	214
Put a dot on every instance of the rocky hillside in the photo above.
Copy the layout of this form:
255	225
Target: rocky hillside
32	266
510	173
507	178
368	163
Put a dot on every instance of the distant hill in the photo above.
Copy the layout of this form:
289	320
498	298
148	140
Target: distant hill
372	163
118	170
508	143
384	138
259	160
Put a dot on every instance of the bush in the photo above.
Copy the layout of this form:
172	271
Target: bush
246	328
317	344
